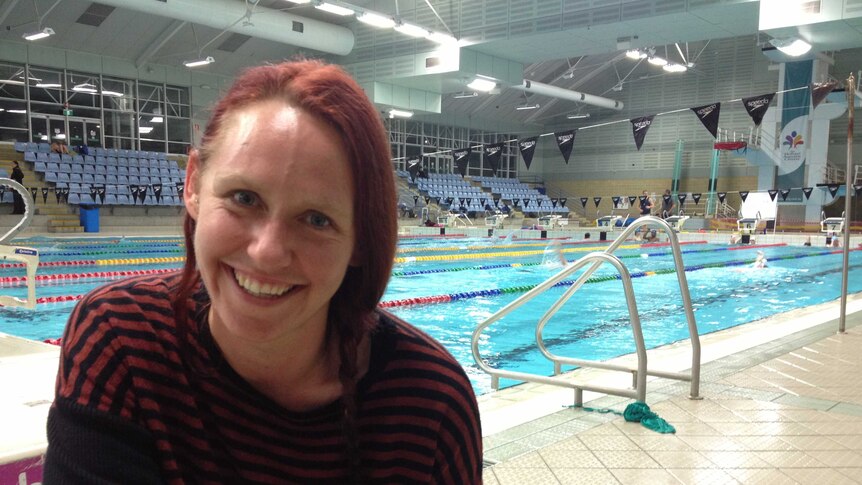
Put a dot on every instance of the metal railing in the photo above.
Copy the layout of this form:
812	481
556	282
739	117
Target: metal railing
639	373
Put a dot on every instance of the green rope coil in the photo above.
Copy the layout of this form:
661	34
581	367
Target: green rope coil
637	412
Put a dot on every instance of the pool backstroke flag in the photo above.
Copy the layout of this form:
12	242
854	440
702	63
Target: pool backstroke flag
597	200
134	189
858	189
157	191
616	200
807	191
682	197
527	147
640	127
180	187
462	158
721	196
565	141
584	202
563	201
772	193
784	193
414	167
833	189
708	115
45	194
696	198
756	106
632	199
33	192
819	91
493	152
743	194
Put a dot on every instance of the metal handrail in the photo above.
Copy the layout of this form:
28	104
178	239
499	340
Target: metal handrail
639	390
693	376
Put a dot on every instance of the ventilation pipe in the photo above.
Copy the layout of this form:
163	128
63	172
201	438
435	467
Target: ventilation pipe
265	23
569	95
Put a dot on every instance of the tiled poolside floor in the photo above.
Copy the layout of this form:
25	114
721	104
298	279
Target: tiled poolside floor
786	411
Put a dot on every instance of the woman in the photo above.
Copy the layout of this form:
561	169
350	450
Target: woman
265	360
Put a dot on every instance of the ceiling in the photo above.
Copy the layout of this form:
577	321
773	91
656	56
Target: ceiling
582	50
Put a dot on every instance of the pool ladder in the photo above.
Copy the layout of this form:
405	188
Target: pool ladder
640	371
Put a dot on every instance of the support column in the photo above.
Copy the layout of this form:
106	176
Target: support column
711	203
677	168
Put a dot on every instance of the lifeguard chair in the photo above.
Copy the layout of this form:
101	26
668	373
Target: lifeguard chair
553	222
495	220
746	226
28	256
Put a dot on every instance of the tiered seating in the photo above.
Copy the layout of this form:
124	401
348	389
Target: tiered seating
115	169
514	189
452	189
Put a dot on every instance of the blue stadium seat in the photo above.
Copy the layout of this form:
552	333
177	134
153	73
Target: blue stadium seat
78	159
111	199
88	178
91	160
44	147
100	178
111	170
62	177
65	167
51	177
20	146
66	158
53	167
74	199
42	156
75	178
54	157
123	171
100	169
40	166
30	156
77	168
134	171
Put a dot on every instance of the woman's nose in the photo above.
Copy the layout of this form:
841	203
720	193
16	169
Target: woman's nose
271	245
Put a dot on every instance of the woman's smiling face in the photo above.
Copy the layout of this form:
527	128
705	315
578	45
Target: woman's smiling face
274	233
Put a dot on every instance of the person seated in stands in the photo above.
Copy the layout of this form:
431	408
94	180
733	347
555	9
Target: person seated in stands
760	262
58	147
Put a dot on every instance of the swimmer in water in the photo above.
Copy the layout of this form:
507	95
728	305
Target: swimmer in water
759	262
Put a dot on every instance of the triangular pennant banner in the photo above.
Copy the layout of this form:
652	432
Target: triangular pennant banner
44	194
66	194
708	115
756	106
527	202
58	193
462	159
426	199
820	90
469	201
681	196
721	196
743	194
528	147
597	200
858	189
180	187
516	202
94	193
640	127
460	201
414	167
134	189
102	192
496	201
696	198
833	189
33	192
554	201
565	141
616	200
142	193
563	201
157	191
632	199
493	152
784	193
807	191
772	193
666	198
584	202
415	200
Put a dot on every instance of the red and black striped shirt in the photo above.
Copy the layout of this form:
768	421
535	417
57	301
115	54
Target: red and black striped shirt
135	404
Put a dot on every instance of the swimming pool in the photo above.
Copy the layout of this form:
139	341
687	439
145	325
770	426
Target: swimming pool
446	286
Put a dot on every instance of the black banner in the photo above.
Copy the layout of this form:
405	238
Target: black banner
142	193
708	115
493	152
743	194
414	167
34	191
833	189
565	141
632	199
597	200
681	196
426	199
462	159
157	191
563	201
772	193
100	190
584	202
554	201
784	193
460	201
756	106
180	187
528	147
58	193
858	189
527	202
640	127
807	191
134	189
721	196
415	200
696	198
94	193
616	200
820	90
44	194
469	201
516	202
496	201
66	194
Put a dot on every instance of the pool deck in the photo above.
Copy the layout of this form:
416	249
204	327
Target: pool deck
781	403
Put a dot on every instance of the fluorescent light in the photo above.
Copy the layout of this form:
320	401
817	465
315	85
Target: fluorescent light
199	62
792	46
525	107
336	9
48	85
18	111
411	30
480	84
376	20
635	54
673	67
157	119
44	137
85	88
46	32
441	38
578	116
472	94
657	61
397	113
115	94
145	129
60	136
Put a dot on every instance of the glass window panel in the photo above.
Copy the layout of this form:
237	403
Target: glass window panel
118	94
149	130
13	114
150	98
50	109
12	81
178	130
152	145
83	89
177	95
46	85
180	148
113	142
13	134
118	124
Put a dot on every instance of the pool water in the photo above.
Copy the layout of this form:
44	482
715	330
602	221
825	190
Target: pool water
478	276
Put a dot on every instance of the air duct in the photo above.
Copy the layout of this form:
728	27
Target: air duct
569	95
266	23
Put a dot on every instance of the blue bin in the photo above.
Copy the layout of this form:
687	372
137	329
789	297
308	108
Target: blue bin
90	218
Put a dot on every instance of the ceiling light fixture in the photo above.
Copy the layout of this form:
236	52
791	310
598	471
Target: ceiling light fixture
300	2
157	119
199	62
145	129
397	113
636	54
85	88
17	111
411	30
46	32
480	84
577	116
441	38
335	9
461	95
48	85
525	107
657	61
12	81
376	20
791	46
115	94
674	67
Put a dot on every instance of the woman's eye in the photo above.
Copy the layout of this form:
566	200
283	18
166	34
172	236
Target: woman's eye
318	220
244	198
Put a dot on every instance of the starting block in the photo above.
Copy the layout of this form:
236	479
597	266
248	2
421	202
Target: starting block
495	221
452	219
553	222
676	222
832	225
747	225
607	222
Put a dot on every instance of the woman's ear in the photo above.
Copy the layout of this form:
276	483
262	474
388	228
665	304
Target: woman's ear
191	197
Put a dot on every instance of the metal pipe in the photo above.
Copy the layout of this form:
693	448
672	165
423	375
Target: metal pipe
569	95
850	88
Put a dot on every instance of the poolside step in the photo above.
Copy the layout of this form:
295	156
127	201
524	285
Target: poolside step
65	229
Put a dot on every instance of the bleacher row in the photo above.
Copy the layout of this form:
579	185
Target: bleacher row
22	147
119	175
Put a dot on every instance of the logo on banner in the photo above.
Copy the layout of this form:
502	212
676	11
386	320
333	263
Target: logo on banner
833	189
682	198
462	158
493	153
565	141
743	194
792	145
45	194
563	201
616	200
858	189
632	199
721	196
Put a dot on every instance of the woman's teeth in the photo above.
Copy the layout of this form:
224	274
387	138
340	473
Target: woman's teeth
259	289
